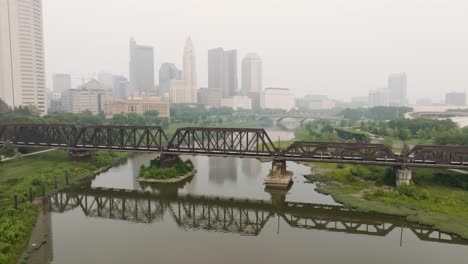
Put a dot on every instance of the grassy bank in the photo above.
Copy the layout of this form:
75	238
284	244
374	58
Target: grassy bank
437	197
15	178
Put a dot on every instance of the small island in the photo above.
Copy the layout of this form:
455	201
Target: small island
156	173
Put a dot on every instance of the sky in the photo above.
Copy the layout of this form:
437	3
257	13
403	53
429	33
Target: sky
341	48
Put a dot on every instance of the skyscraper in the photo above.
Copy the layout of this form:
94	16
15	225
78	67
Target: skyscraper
252	81
141	68
397	89
189	73
61	82
222	71
168	71
22	75
184	91
120	87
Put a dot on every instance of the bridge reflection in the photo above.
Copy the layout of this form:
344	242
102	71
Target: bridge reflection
242	216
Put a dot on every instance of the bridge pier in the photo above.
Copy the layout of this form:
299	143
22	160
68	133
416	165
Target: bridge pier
79	155
279	177
402	176
168	160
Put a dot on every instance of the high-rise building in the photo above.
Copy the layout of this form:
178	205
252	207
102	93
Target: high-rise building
61	82
22	74
455	98
120	87
189	72
141	69
168	71
252	75
379	97
222	71
397	89
185	90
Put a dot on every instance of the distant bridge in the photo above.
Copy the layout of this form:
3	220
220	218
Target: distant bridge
246	217
224	142
302	117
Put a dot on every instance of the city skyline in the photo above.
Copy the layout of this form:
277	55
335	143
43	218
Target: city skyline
343	49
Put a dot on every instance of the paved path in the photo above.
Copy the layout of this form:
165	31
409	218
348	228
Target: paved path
29	154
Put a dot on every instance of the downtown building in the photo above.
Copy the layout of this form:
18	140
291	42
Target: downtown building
252	78
222	71
185	91
277	98
379	97
91	96
455	98
22	74
138	105
167	72
397	89
141	69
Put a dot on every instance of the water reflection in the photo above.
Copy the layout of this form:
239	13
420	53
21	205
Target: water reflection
232	215
222	169
251	168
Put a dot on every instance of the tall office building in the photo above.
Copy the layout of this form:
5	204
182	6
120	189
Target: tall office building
61	82
141	69
222	71
397	89
185	91
252	81
22	75
189	72
168	71
120	87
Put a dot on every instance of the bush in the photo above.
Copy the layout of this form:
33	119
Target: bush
154	170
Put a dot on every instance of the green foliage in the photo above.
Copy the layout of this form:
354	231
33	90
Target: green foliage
7	150
16	177
376	113
154	170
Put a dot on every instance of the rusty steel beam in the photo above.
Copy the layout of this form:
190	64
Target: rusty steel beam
222	141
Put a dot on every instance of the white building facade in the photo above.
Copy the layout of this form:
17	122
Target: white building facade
379	97
185	91
237	102
22	74
252	74
92	96
277	98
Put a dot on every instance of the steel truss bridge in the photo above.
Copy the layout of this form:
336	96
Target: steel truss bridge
229	215
236	142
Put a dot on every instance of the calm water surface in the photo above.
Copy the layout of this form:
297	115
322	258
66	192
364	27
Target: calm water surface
218	217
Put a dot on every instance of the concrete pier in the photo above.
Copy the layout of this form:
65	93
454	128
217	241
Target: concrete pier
279	177
168	160
403	177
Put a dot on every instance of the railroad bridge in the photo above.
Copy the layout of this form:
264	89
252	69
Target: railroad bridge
232	215
228	142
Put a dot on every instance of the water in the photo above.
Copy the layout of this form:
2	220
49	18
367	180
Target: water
224	215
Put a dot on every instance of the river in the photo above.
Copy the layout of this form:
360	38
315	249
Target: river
224	215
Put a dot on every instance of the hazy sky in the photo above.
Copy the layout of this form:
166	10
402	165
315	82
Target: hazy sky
342	48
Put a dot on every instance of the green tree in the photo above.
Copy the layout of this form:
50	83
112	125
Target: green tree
7	150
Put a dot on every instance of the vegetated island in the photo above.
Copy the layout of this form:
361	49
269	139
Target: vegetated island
155	173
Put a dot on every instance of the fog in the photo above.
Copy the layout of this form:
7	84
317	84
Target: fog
337	47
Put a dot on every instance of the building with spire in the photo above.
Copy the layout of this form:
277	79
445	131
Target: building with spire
184	91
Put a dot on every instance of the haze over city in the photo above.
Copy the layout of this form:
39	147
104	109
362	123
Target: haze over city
338	48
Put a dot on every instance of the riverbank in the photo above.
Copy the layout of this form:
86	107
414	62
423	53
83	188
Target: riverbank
16	177
437	197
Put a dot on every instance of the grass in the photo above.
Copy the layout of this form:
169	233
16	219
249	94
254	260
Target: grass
15	178
437	197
